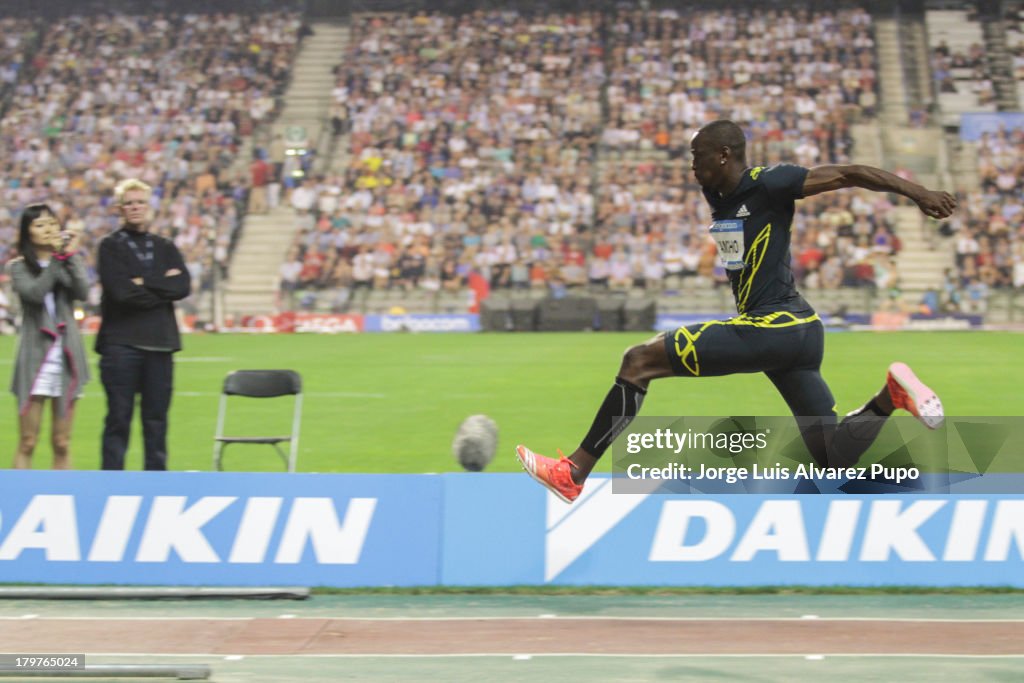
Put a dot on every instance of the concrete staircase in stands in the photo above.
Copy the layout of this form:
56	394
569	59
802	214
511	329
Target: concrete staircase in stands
921	151
252	287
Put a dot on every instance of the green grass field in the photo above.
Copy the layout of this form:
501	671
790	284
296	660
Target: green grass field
391	402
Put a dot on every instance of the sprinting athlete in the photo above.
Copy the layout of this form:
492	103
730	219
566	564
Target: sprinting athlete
776	332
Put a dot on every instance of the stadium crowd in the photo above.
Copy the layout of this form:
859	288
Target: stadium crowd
168	98
1016	44
19	37
989	228
535	151
552	151
964	70
795	78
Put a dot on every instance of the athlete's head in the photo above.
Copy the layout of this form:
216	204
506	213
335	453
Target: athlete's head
719	152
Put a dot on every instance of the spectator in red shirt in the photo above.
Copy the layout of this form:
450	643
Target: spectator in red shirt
312	266
259	171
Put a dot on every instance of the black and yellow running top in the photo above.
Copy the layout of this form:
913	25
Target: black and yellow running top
752	230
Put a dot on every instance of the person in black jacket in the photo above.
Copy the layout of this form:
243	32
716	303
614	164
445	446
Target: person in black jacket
142	276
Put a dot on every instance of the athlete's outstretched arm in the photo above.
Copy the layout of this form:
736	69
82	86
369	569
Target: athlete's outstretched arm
933	203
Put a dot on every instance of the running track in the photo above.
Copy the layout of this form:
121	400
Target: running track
512	635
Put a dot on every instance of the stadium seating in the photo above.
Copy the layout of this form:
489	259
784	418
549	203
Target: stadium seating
988	238
170	98
539	152
794	77
1014	21
959	62
478	142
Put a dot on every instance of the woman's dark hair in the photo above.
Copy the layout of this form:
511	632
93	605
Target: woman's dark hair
25	248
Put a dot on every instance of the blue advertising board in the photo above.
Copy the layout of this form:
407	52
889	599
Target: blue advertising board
608	538
973	125
487	529
178	528
422	322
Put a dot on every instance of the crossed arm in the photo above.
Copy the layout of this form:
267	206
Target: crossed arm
174	284
933	203
122	286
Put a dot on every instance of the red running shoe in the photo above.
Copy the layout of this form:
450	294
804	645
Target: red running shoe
556	475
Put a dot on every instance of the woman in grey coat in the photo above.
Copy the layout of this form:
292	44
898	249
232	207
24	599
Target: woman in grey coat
50	364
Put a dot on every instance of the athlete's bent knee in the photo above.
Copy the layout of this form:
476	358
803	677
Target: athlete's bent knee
644	362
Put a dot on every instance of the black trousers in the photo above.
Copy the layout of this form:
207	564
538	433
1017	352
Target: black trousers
125	372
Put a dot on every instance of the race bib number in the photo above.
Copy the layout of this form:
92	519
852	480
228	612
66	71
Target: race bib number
728	236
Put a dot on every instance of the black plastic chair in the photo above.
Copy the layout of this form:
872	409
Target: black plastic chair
260	384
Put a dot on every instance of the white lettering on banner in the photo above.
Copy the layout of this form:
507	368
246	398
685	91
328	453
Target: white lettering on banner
329	324
965	531
115	528
571	531
316	519
670	536
255	530
1007	523
171	525
837	536
890	528
48	523
778	526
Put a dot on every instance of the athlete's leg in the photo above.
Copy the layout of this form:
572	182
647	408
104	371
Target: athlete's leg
564	476
707	349
810	400
808	397
640	364
860	428
710	349
807	394
842	445
831	445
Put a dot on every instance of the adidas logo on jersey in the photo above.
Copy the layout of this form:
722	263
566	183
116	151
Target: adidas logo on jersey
742	213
